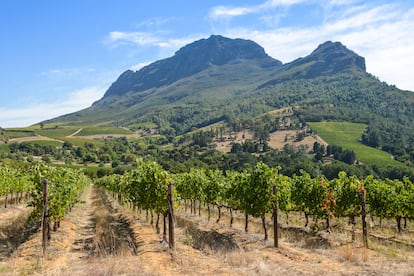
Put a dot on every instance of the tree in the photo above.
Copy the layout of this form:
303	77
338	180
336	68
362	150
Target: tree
371	138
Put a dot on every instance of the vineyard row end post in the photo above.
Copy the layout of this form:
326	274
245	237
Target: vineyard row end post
364	222
275	228
171	217
45	226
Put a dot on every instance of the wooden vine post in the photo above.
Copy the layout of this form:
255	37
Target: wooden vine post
45	218
364	222
275	228
170	217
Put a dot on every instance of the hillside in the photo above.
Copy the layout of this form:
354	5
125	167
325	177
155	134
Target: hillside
234	80
198	82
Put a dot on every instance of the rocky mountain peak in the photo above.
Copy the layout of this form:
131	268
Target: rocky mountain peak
191	59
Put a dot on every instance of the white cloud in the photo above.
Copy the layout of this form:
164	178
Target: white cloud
36	112
384	35
278	3
141	38
169	45
154	22
226	12
69	72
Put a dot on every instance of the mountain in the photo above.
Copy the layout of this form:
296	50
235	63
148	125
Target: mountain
234	80
190	60
328	59
208	71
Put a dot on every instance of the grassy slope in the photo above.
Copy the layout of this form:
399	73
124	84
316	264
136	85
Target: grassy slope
100	130
11	133
207	88
58	133
348	135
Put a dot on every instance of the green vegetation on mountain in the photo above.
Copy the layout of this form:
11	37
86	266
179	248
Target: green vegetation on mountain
99	130
214	89
348	135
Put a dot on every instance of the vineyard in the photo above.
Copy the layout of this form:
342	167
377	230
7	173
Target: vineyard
27	183
207	212
255	193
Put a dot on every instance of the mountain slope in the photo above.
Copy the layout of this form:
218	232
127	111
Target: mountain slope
233	80
207	72
190	60
330	58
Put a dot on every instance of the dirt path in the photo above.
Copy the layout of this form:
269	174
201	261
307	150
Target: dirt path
75	133
95	235
74	240
133	247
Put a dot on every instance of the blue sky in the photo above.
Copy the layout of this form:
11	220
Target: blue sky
61	56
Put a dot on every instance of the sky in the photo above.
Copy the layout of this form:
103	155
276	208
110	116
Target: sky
59	57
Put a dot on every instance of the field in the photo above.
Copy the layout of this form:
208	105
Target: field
102	237
17	133
86	131
56	133
348	136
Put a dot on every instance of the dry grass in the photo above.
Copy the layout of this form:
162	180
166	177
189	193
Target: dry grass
113	235
349	253
277	139
255	257
248	262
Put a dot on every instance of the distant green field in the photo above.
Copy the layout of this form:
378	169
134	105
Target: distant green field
348	136
17	133
56	132
99	130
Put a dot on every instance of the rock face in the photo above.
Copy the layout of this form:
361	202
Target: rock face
189	60
329	58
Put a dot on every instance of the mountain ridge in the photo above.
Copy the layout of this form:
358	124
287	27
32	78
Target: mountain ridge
328	59
189	60
219	76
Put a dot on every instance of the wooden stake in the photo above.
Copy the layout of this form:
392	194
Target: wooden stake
364	222
275	227
171	217
45	225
